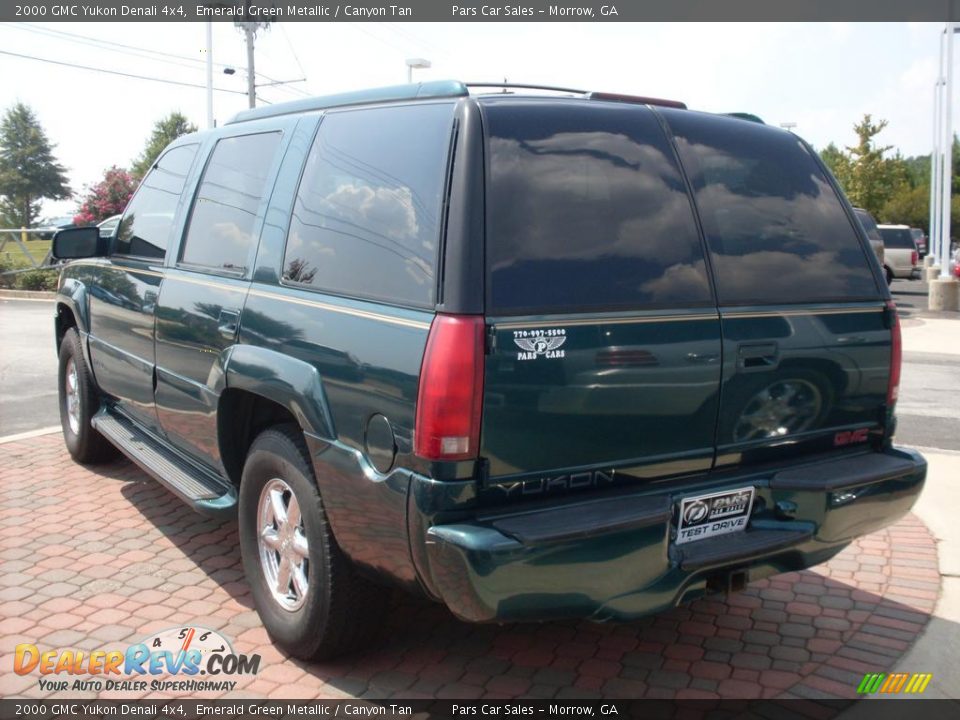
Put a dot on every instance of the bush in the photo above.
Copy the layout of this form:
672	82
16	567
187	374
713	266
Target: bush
6	281
37	280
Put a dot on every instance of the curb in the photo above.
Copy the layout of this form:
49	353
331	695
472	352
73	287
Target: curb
27	295
29	434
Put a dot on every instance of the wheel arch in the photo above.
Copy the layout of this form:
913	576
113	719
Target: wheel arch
263	388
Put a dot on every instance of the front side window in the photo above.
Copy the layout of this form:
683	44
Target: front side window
366	221
776	230
586	210
145	228
233	186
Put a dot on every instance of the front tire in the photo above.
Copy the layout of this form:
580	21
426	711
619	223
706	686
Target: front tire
309	597
79	402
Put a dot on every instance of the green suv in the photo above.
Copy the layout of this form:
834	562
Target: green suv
531	356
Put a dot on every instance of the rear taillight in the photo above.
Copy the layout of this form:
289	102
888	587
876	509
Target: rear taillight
451	389
914	257
896	355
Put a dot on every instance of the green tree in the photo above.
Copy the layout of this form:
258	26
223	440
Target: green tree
165	131
867	176
29	172
835	159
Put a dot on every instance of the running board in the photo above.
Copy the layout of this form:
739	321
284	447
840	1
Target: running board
201	490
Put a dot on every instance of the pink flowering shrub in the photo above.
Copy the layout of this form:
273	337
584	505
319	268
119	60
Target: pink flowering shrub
108	197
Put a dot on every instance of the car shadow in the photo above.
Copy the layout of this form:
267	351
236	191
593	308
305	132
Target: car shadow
810	635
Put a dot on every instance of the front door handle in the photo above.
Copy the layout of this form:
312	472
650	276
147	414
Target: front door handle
229	323
757	357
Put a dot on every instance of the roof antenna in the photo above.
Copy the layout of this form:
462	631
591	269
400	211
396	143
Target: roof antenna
504	91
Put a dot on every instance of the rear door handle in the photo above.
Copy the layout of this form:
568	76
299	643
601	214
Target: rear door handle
758	357
229	323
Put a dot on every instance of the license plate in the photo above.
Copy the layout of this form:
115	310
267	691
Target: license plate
718	513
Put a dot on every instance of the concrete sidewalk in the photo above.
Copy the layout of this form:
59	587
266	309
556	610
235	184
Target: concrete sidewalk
936	650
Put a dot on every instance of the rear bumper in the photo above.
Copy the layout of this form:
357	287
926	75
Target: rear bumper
614	558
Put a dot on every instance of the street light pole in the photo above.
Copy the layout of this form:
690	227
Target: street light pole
418	63
209	74
945	170
935	176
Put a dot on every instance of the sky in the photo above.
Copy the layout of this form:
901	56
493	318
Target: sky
821	76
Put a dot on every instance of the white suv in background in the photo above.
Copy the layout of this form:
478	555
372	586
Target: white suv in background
901	256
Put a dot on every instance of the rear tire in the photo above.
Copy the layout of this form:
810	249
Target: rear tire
310	598
79	402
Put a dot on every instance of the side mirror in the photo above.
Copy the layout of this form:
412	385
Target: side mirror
73	243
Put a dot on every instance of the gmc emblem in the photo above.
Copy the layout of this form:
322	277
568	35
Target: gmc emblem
849	437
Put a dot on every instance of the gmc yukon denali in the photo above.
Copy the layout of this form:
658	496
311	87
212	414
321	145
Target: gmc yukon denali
533	356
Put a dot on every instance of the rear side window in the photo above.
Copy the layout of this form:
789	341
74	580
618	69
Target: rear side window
586	210
776	230
234	182
366	221
148	219
897	238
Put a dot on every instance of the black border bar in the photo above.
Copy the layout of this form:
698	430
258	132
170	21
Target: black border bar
473	11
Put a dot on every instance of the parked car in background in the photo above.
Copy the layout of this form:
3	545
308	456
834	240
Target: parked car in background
50	226
920	238
901	257
873	235
494	349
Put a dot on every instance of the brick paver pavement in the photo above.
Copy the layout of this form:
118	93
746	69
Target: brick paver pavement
101	558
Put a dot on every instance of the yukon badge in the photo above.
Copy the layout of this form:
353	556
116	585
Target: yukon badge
540	343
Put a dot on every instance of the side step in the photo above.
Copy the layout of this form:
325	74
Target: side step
201	490
739	547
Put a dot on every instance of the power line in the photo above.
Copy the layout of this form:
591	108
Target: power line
117	72
110	46
99	42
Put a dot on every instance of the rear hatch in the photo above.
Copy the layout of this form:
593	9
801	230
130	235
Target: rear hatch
605	348
806	330
610	358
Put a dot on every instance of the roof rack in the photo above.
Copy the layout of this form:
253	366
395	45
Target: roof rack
424	90
416	91
522	86
589	94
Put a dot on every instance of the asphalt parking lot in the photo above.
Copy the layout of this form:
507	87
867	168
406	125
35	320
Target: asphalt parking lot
111	558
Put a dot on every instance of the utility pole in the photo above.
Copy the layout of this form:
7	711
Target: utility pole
250	33
209	74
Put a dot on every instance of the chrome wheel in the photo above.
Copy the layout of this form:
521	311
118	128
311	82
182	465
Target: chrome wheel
71	386
782	408
284	553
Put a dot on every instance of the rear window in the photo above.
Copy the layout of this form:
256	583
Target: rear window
897	238
869	224
586	210
776	230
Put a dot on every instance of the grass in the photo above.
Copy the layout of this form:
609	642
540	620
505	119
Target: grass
12	255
